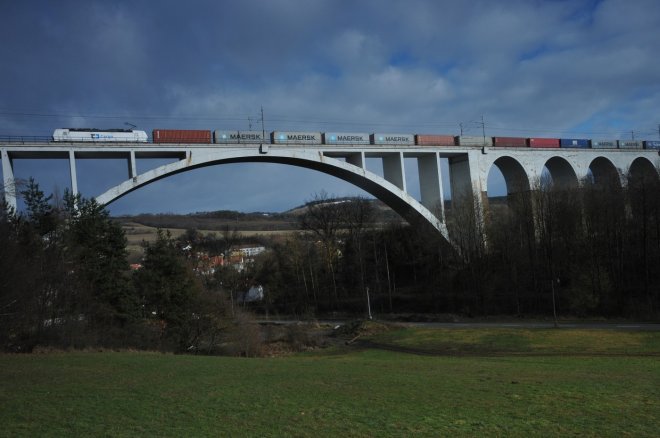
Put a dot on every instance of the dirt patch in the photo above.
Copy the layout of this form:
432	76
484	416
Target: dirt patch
281	339
354	330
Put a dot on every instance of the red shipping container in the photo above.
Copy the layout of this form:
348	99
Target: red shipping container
434	140
181	136
515	142
543	142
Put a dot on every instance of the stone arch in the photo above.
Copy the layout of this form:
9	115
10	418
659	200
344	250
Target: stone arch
562	173
642	169
404	204
643	183
604	172
514	174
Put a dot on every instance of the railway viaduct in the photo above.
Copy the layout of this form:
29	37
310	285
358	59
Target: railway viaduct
468	167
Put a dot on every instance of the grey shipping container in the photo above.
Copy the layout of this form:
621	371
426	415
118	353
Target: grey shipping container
239	137
474	140
630	144
345	138
282	137
603	144
402	139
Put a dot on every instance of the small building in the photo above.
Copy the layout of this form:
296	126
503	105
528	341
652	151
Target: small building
255	293
250	251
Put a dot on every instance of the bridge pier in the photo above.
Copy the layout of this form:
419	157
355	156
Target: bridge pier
9	184
356	159
430	184
132	167
72	172
394	171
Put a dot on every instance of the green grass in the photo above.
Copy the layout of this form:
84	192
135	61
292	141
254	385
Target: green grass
331	393
481	341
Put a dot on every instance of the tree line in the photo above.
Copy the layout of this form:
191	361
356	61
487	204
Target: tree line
586	251
65	282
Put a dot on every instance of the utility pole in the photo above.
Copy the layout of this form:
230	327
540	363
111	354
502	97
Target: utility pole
554	305
263	130
461	126
483	129
369	304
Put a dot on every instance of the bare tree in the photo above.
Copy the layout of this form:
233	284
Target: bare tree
324	219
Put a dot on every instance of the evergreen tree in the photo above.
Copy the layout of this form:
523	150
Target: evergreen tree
96	249
169	290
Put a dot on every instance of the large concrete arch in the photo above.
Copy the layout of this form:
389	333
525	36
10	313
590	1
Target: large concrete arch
642	169
603	171
514	174
397	199
562	172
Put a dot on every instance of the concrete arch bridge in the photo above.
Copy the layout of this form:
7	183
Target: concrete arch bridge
468	167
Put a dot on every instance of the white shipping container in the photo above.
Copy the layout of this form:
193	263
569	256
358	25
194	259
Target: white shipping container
630	144
394	139
474	140
603	144
345	138
239	137
283	137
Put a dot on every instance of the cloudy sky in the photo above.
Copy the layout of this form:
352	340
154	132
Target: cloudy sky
529	67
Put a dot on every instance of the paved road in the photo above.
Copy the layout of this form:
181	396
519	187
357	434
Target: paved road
633	326
530	325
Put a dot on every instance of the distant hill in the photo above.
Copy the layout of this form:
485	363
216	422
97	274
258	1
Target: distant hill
259	221
255	221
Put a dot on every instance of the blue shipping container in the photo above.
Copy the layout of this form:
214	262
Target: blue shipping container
573	142
652	144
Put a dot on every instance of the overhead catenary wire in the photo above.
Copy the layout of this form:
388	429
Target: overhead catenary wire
448	127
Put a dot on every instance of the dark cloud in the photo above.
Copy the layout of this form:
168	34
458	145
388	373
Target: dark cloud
530	68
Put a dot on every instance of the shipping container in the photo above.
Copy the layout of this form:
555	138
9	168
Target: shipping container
394	139
473	140
281	137
434	140
181	136
650	144
604	144
345	138
574	143
630	144
240	137
543	142
515	142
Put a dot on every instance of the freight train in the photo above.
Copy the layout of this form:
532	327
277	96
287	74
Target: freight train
186	136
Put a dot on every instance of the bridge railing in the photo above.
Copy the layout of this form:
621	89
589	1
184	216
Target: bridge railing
25	138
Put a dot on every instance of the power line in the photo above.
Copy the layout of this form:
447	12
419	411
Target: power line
283	119
124	116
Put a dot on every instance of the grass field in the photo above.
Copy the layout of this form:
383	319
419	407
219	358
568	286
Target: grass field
345	392
505	341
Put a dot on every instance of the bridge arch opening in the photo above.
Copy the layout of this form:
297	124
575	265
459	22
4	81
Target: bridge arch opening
642	171
643	182
513	175
244	187
602	172
558	173
403	204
